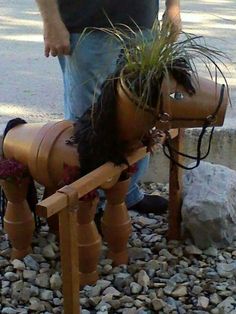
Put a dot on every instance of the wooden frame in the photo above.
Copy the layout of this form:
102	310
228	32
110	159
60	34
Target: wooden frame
63	201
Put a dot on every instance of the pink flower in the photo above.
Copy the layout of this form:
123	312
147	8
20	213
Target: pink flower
70	174
11	169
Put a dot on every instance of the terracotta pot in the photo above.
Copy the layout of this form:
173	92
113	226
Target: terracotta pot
133	122
43	149
117	193
178	110
184	111
18	219
116	223
89	242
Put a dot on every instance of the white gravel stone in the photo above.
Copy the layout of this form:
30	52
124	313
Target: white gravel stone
158	304
8	310
129	310
197	290
11	276
46	295
95	300
167	255
169	288
226	270
48	252
215	299
137	253
193	250
42	280
17	264
29	275
203	302
57	301
153	264
34	291
25	294
103	283
31	263
143	279
3	262
135	288
211	251
180	291
144	221
227	306
95	291
55	281
5	291
111	291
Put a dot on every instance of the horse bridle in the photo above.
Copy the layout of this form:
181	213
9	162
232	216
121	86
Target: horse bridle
170	151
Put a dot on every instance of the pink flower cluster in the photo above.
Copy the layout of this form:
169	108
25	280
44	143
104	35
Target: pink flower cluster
12	170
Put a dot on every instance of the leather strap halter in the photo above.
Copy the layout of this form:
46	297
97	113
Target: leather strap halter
169	151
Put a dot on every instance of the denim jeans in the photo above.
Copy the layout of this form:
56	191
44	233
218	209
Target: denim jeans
92	59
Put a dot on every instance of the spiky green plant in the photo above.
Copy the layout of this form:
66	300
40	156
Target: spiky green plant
151	55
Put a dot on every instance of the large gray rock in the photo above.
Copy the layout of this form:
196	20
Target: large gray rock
209	205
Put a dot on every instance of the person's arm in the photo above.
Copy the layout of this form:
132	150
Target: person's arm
56	35
172	18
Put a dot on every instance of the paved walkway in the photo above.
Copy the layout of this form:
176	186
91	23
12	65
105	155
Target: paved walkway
31	86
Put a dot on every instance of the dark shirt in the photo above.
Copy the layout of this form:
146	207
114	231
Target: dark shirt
79	14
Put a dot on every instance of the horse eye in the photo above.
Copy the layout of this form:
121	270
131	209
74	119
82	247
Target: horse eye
177	96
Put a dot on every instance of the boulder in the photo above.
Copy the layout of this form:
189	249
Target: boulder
209	205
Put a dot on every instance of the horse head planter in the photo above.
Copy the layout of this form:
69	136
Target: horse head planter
176	109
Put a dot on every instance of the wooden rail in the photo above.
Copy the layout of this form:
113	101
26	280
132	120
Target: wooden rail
58	201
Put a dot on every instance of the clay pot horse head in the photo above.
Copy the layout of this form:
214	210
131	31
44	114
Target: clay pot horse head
176	108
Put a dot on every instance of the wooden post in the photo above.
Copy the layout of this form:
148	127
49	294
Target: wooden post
53	221
69	252
175	190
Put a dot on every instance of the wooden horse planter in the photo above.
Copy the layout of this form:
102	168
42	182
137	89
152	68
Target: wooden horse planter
43	149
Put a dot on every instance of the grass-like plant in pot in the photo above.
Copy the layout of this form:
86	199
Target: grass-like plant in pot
155	83
159	84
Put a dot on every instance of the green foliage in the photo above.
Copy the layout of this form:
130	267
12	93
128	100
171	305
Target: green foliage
151	55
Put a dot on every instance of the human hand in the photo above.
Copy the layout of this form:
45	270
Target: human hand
171	21
56	39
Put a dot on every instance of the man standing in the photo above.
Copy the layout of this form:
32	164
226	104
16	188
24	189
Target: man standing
85	65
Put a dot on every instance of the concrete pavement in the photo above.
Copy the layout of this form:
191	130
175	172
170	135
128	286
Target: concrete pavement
31	85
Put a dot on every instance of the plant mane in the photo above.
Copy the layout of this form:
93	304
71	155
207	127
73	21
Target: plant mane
96	132
151	55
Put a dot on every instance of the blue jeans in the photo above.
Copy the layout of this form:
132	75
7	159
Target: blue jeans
92	59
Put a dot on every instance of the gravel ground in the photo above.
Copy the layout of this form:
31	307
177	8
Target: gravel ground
161	277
